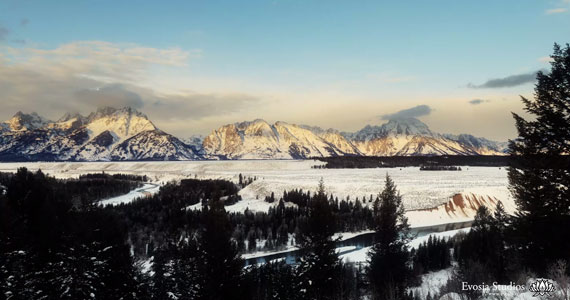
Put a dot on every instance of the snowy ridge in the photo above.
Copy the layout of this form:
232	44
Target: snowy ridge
24	122
261	140
104	135
404	137
126	134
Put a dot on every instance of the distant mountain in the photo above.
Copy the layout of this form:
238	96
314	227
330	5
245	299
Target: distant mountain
107	134
261	140
23	122
407	137
196	141
126	134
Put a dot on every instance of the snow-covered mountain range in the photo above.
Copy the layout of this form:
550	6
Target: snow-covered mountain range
126	134
107	134
405	137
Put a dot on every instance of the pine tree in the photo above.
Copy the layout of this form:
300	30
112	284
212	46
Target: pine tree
320	267
539	178
499	227
388	270
219	263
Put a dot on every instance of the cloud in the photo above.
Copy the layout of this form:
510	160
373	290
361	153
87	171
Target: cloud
114	95
196	105
105	61
555	11
414	112
81	76
509	81
477	101
24	22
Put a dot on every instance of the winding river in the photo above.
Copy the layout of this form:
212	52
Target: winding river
355	243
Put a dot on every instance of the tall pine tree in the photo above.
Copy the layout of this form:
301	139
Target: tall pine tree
319	267
388	270
219	263
540	173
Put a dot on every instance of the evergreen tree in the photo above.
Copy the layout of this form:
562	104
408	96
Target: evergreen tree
319	267
539	178
501	221
482	253
388	271
219	264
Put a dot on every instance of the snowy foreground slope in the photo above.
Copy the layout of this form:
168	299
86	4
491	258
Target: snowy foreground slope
431	197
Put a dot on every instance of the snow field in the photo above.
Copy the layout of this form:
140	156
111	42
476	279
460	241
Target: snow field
419	189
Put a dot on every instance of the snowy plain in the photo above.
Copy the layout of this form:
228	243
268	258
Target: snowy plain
419	189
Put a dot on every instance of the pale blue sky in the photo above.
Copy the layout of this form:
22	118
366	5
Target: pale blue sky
381	56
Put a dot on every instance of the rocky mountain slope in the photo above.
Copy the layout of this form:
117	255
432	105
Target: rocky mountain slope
107	134
126	134
261	140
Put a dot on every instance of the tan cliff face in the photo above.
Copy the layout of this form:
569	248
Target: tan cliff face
459	208
223	140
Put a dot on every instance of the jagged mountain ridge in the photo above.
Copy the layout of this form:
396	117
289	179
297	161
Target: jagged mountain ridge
261	140
104	135
126	134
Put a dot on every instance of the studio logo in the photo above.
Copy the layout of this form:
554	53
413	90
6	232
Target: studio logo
542	287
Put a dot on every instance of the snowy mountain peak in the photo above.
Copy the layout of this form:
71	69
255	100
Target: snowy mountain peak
123	123
23	122
107	111
126	134
107	134
260	140
70	116
405	136
406	126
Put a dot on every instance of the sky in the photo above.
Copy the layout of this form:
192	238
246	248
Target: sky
192	66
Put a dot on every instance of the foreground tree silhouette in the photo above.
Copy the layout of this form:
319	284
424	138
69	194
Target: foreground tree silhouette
219	262
50	251
319	268
539	177
388	271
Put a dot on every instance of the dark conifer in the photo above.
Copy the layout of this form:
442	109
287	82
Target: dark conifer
219	264
388	270
539	177
319	267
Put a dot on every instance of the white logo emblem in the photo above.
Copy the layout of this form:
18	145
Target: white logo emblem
542	287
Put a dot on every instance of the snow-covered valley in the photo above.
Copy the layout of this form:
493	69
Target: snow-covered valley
430	197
